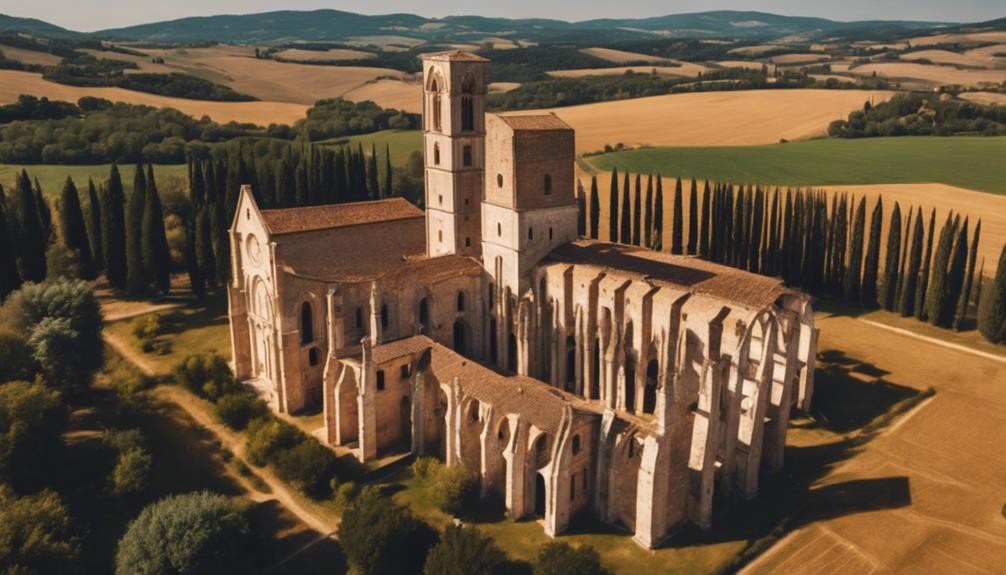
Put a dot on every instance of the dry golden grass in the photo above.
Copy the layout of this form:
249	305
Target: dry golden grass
333	55
686	69
999	37
499	87
985	97
802	58
746	64
754	50
947	57
29	56
396	94
14	83
389	42
925	495
989	53
713	118
620	56
931	73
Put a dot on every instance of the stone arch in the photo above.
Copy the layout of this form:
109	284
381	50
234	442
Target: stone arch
470	450
540	494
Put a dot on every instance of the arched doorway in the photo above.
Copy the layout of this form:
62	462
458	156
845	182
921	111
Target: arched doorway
650	390
459	337
539	495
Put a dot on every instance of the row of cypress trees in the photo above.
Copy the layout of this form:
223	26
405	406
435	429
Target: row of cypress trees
827	249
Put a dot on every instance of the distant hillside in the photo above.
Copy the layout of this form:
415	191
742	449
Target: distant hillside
335	25
33	26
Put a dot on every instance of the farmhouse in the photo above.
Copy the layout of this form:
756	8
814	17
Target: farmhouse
566	375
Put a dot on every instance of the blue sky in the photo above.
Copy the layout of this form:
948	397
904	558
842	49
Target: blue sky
97	14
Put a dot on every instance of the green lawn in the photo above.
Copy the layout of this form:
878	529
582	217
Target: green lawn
975	162
401	142
51	177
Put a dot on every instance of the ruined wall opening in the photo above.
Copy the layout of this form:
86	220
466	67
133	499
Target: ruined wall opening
493	342
539	495
405	414
306	323
595	371
511	360
459	337
424	316
650	389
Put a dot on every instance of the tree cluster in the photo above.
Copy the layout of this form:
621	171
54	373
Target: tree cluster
916	114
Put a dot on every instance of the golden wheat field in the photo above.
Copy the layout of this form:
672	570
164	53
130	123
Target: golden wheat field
798	58
398	94
999	37
985	97
930	73
947	57
754	50
745	117
620	56
686	69
14	83
29	56
333	55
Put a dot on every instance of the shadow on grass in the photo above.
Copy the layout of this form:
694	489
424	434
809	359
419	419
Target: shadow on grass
208	313
285	545
849	394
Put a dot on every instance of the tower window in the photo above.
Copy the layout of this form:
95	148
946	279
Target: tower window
440	235
312	356
468	242
530	233
404	371
461	301
436	154
306	324
440	198
436	105
548	184
499	181
468	104
466	155
499	229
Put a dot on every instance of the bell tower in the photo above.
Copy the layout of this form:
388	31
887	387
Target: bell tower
454	151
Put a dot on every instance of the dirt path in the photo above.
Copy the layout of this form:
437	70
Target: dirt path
141	363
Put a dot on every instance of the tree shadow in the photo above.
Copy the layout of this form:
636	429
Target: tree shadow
285	545
849	394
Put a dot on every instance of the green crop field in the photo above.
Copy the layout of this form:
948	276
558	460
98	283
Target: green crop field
401	143
51	177
977	163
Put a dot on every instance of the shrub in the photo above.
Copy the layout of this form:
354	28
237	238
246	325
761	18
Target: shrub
16	362
131	472
268	435
36	534
464	551
425	467
451	489
345	493
146	327
206	375
235	410
307	466
561	559
379	536
191	533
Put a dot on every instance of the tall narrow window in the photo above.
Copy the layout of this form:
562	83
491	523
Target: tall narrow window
530	233
461	301
468	104
359	318
380	380
436	105
548	184
466	155
306	324
436	154
384	316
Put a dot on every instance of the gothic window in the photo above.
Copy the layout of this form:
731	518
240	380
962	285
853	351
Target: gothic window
548	184
466	155
499	181
467	104
436	154
530	233
436	105
312	356
576	444
461	301
306	324
380	380
359	318
384	316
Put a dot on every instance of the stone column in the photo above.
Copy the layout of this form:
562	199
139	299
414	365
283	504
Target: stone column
368	410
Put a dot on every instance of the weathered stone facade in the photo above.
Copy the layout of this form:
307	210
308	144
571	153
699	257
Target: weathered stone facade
568	376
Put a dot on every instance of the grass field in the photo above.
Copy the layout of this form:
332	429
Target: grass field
52	177
402	143
970	162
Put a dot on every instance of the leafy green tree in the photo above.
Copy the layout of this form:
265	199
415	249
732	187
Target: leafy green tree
131	473
156	257
94	226
613	208
31	238
464	551
192	533
557	558
595	208
678	221
381	537
965	299
10	279
16	361
922	287
113	230
868	294
939	288
906	299
73	230
992	306
32	418
136	273
36	534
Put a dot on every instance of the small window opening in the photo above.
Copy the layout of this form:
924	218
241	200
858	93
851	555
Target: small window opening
380	380
384	316
548	184
405	372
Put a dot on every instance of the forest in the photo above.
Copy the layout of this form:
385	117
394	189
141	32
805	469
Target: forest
917	114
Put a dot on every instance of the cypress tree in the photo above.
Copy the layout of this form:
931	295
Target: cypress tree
95	227
851	284
44	214
156	256
693	220
892	263
197	186
658	216
374	188
922	287
302	193
956	270
871	265
581	210
136	274
10	279
678	221
648	218
992	305
113	230
595	208
73	230
738	246
965	298
389	172
771	246
704	230
939	287
284	183
613	208
204	246
755	242
196	279
625	226
31	238
637	236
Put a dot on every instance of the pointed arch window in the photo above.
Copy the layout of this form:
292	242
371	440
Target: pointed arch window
436	154
306	324
435	88
468	104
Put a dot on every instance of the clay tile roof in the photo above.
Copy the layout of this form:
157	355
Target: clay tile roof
692	274
400	348
455	56
428	270
312	218
525	122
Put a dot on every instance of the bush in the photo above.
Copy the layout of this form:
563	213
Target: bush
561	559
235	410
307	466
36	534
146	328
380	537
32	417
16	362
131	472
192	533
345	493
267	436
452	489
464	551
425	468
206	375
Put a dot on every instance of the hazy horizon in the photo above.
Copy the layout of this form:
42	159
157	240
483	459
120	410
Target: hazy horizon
87	17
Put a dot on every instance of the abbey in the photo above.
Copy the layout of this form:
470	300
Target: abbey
567	375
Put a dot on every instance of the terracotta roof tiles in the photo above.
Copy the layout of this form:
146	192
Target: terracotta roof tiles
528	122
314	218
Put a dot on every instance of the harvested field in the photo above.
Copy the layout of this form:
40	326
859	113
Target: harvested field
988	53
755	50
826	77
999	37
686	69
389	43
29	56
333	55
620	56
936	478
713	118
497	87
14	83
984	97
747	65
947	57
931	73
396	94
787	59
